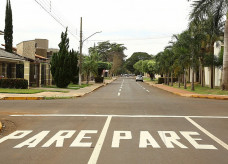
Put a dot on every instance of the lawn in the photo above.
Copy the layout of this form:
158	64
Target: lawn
203	90
149	79
27	91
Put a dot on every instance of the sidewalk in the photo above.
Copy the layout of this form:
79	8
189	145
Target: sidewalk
185	93
44	95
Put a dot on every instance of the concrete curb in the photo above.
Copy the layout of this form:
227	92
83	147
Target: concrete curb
0	125
193	95
23	98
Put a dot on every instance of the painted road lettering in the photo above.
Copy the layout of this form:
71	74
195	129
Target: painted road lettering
120	135
170	139
78	141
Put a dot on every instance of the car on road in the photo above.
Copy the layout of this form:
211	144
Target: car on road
139	78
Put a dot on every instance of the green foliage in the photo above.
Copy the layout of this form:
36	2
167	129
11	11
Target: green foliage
139	66
14	83
109	52
73	57
89	66
135	57
147	66
102	66
8	32
62	66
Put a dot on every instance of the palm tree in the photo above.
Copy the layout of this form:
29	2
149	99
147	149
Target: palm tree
89	66
200	10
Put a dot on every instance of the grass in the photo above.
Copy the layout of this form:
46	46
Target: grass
70	86
148	79
108	78
26	91
54	98
203	90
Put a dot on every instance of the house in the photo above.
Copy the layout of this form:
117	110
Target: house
11	65
38	64
217	71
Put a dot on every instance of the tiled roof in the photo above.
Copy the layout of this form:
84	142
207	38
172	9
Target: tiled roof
12	56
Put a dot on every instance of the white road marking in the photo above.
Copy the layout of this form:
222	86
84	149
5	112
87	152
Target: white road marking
148	91
118	93
96	152
106	115
220	142
119	90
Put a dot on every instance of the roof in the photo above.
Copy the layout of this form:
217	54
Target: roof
14	48
40	57
11	56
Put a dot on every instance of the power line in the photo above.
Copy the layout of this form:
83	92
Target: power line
55	17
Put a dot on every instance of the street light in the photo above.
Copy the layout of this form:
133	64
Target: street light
80	55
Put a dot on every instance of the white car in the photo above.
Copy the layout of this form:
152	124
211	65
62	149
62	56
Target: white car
139	78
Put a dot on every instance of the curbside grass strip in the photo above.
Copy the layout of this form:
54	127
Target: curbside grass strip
217	97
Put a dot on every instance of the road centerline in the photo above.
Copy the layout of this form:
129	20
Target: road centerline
96	152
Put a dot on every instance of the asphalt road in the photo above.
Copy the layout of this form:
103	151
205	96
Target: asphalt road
123	122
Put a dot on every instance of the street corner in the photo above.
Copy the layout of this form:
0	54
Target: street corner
7	127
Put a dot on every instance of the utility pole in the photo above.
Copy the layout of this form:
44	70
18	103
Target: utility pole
80	56
80	53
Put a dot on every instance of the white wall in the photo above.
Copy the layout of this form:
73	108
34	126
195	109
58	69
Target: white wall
217	71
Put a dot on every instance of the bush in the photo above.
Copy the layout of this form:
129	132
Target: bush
14	83
161	80
99	79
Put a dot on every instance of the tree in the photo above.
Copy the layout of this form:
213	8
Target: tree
103	51
110	52
8	32
89	66
73	59
135	57
139	66
200	8
150	68
60	63
118	56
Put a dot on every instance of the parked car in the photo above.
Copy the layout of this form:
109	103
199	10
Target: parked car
139	78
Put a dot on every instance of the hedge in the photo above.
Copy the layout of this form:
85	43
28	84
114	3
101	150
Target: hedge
14	83
99	79
161	80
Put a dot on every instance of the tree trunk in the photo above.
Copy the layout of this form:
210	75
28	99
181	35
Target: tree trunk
225	58
168	79
202	77
185	85
192	88
164	78
171	78
212	75
179	81
87	79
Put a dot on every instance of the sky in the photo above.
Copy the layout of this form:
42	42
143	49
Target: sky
141	25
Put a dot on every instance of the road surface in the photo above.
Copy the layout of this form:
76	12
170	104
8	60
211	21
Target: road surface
124	122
